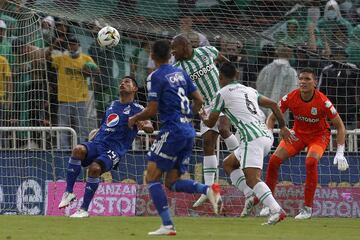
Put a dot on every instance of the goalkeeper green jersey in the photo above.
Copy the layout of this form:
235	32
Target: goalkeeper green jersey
202	70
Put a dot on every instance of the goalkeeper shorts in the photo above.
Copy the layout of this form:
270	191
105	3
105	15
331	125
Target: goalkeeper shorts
317	143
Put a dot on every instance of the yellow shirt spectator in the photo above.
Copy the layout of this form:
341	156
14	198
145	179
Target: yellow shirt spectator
5	78
72	84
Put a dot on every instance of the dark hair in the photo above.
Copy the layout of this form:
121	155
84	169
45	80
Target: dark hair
161	49
308	70
72	39
228	70
130	77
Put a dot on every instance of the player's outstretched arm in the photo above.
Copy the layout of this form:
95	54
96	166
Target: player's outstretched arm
276	115
148	112
197	101
210	120
339	159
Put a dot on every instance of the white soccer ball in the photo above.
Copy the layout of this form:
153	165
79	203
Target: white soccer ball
108	37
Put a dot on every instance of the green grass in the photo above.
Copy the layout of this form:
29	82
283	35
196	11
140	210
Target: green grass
122	228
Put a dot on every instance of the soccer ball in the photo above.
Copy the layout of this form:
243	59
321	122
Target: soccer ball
108	37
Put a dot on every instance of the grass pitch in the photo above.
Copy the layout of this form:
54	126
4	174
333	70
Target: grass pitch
123	228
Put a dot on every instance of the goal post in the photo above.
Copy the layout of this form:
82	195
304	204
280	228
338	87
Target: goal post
252	34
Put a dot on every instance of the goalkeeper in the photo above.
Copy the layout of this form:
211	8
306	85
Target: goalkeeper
310	109
103	152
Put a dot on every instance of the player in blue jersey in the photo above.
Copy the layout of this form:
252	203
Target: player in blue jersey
168	91
103	152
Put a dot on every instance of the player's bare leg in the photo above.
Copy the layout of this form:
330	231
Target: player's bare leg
230	140
232	168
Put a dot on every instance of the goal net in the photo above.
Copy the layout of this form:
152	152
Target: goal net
268	41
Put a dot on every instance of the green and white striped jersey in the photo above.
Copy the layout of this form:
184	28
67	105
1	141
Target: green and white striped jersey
240	104
202	70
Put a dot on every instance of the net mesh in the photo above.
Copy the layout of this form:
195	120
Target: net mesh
252	34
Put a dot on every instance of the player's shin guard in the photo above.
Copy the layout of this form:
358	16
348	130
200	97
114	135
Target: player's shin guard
92	184
210	167
73	171
238	180
188	186
231	143
311	180
263	193
272	172
159	199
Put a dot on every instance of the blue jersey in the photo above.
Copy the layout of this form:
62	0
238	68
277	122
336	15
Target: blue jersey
170	87
114	132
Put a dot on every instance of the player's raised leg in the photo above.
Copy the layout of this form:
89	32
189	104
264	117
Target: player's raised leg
92	184
73	171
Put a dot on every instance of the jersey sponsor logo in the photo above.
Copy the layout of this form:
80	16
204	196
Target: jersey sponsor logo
176	79
314	111
112	120
198	74
328	104
307	119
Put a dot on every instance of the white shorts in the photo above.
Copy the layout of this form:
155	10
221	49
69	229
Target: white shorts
203	127
251	154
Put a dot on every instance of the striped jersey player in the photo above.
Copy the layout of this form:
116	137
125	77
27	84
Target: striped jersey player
241	105
199	64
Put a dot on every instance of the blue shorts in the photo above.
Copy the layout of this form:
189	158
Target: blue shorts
96	151
171	151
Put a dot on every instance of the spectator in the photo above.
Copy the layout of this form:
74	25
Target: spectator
6	92
331	21
139	69
73	92
5	44
47	29
62	32
277	78
29	89
339	82
186	24
353	49
236	53
294	35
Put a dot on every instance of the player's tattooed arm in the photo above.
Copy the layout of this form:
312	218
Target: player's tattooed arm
148	112
209	120
197	101
146	126
276	114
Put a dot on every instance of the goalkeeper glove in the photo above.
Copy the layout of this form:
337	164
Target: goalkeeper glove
339	159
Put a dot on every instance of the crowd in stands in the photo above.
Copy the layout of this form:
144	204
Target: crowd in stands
51	71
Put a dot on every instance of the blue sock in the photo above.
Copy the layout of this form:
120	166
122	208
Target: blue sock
92	184
188	186
72	173
159	199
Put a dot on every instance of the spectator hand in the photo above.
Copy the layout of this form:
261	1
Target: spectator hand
340	160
